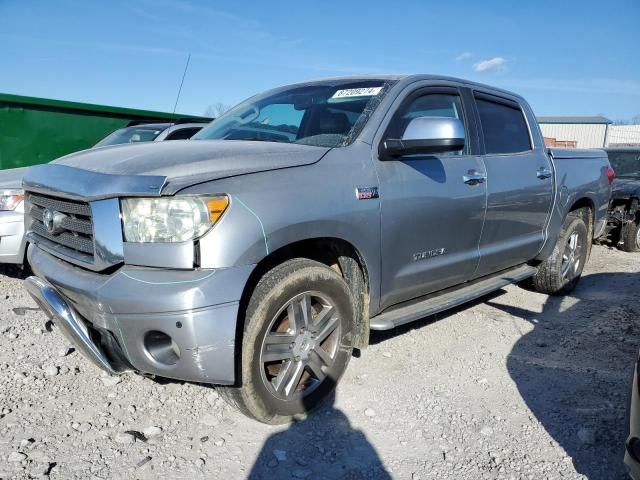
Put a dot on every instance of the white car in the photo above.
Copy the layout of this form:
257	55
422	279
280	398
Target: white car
12	216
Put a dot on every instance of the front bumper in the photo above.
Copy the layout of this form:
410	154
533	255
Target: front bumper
12	237
196	309
632	450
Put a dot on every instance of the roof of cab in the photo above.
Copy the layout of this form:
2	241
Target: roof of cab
409	78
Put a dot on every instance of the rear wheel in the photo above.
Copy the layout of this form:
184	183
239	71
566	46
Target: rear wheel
297	341
560	273
631	237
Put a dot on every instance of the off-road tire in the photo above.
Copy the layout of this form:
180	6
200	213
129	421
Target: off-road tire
631	237
273	291
549	278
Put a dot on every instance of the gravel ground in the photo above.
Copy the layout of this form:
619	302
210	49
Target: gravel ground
517	385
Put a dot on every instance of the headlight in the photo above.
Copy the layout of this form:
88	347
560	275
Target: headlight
170	219
10	199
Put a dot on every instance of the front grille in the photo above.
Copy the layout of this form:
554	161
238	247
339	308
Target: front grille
74	234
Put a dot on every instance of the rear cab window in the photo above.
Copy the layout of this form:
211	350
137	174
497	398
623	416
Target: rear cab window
503	124
626	164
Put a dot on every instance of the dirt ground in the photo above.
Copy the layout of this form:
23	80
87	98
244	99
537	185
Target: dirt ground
517	386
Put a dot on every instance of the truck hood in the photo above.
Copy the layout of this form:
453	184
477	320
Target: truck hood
186	163
12	178
626	187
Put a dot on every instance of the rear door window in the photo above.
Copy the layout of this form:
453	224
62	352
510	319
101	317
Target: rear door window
503	126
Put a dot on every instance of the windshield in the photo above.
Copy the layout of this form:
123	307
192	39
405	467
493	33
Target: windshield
130	135
326	114
626	164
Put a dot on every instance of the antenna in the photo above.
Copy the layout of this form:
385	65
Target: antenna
184	74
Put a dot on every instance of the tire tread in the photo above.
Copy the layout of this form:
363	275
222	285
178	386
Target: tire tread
547	280
629	237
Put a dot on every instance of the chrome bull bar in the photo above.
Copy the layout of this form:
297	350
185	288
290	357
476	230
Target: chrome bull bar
65	318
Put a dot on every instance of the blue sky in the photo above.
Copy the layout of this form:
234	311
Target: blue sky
571	57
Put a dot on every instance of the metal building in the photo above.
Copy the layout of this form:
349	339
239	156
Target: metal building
623	136
581	132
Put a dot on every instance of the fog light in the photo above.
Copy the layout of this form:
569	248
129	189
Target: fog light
161	347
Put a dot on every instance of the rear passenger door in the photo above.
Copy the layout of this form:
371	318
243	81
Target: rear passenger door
519	185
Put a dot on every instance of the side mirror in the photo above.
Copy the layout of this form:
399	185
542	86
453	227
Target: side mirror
427	135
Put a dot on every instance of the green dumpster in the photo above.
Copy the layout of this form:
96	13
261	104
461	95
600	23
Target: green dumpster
38	130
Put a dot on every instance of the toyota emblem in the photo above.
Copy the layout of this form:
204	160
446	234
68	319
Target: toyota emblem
51	220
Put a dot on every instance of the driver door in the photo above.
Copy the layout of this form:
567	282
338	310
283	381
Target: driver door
431	219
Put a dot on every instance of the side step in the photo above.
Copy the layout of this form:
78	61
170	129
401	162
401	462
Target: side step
449	298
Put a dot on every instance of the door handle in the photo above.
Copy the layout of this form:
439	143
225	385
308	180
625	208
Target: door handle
544	173
474	178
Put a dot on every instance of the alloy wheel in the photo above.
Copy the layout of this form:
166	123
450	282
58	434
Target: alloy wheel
572	258
300	346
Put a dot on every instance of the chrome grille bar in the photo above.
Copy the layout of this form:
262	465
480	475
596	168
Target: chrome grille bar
64	206
66	239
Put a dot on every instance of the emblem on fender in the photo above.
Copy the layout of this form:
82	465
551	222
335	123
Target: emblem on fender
429	254
366	193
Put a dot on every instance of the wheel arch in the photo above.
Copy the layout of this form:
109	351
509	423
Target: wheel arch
338	254
587	207
565	206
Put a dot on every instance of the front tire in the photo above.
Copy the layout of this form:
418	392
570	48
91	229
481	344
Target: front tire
560	273
631	237
297	341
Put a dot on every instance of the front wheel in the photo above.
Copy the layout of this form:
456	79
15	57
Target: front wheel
631	237
560	273
297	341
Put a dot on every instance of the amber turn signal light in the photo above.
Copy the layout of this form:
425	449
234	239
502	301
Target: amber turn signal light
216	207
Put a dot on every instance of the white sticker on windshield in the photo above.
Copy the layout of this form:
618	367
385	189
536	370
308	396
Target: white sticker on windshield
357	92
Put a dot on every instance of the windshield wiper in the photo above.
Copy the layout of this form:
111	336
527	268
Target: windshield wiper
256	139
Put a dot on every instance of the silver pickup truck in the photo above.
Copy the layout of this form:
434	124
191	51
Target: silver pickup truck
259	254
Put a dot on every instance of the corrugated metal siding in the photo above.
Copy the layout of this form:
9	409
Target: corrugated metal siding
581	120
623	135
586	135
